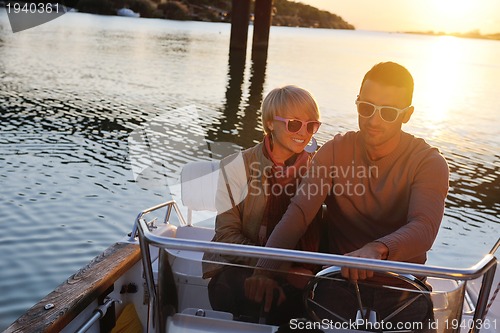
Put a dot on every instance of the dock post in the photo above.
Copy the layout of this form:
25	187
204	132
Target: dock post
262	24
240	17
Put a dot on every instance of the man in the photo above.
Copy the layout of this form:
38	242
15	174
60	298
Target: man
384	189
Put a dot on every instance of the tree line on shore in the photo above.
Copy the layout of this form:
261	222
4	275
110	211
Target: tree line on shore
471	34
285	13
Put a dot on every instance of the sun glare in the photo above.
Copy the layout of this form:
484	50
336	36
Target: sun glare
442	77
454	15
454	7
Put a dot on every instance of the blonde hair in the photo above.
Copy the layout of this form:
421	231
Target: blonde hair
288	100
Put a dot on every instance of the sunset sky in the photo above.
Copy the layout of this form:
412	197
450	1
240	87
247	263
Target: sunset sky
416	15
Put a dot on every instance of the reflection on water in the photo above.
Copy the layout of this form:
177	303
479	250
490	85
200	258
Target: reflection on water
105	110
444	58
240	124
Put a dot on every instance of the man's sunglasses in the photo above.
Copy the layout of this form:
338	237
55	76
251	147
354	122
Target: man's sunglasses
295	125
387	113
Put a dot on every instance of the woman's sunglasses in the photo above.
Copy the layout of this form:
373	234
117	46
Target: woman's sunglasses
295	125
387	113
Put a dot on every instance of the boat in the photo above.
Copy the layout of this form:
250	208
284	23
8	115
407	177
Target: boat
151	281
127	12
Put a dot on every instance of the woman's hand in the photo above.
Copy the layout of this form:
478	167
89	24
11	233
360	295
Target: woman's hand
261	287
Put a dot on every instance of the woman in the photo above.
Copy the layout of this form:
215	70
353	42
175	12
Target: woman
254	191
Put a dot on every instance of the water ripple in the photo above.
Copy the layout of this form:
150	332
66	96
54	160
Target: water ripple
95	123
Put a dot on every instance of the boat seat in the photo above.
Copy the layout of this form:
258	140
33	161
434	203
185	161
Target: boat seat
187	270
188	263
198	186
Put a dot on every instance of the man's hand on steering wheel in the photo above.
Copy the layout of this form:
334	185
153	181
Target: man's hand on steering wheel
373	250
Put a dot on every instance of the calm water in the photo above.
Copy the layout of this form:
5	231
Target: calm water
95	111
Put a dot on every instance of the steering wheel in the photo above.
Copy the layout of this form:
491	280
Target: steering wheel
378	304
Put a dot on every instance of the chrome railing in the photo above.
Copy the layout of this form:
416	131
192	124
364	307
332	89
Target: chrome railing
486	267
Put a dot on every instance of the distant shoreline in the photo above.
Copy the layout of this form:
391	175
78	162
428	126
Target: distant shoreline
473	34
340	25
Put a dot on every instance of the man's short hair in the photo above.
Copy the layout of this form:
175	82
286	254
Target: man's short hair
391	74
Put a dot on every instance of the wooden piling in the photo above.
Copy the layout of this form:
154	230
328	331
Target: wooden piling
240	16
262	24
